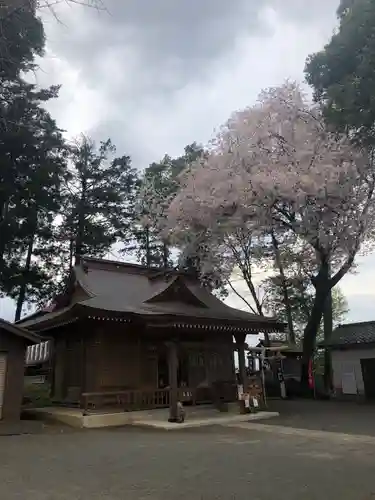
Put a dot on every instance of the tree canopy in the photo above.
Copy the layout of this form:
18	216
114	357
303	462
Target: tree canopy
275	166
343	73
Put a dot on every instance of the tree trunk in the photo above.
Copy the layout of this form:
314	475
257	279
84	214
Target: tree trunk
79	243
24	282
322	289
249	282
148	249
3	235
288	309
71	253
328	327
79	237
165	255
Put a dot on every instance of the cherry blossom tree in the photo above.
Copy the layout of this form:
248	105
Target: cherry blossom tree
274	166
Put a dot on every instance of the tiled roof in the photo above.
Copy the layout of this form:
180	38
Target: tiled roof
294	348
352	334
134	290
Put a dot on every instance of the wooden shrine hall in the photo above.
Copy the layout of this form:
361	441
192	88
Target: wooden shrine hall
138	338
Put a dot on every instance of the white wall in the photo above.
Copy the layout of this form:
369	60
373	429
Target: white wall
350	360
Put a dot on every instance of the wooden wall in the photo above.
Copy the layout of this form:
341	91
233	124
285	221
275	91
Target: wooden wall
118	366
211	362
109	356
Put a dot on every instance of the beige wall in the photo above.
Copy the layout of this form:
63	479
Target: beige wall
15	349
349	361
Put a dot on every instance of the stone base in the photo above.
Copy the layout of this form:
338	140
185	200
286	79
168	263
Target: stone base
74	418
173	420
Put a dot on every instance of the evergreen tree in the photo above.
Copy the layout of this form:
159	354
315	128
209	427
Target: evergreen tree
343	72
159	185
99	195
32	158
22	37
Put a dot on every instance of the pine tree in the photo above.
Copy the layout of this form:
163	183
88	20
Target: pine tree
98	195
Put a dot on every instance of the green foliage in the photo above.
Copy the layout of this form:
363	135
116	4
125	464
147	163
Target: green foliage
37	395
159	184
32	159
301	299
343	73
49	212
99	196
22	37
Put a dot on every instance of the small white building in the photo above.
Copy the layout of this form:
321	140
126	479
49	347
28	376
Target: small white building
353	360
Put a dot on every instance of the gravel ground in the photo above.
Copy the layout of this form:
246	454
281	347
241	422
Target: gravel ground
210	463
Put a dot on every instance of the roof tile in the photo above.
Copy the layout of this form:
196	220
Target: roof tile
352	334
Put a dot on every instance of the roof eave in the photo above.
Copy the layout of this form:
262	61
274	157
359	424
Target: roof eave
30	337
255	327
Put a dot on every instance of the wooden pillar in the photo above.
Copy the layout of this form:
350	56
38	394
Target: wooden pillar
59	369
83	363
173	367
240	342
52	367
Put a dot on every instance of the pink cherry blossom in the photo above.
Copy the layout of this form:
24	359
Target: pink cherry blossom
276	165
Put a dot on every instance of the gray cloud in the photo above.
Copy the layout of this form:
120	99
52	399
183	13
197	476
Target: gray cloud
141	54
166	37
160	31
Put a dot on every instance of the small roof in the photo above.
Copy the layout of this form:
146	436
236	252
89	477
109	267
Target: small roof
117	288
283	345
30	337
351	334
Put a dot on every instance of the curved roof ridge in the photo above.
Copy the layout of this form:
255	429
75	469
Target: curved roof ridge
80	278
163	288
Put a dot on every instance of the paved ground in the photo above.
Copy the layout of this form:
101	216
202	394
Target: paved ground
27	427
345	417
210	463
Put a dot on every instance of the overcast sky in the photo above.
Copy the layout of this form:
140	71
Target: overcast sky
157	75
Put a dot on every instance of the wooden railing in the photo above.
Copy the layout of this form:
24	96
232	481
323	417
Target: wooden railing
132	400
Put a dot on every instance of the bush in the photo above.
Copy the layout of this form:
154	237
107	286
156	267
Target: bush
37	395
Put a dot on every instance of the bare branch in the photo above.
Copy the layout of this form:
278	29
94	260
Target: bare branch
241	297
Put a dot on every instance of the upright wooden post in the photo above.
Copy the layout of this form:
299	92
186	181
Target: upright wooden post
52	367
240	342
83	363
173	383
